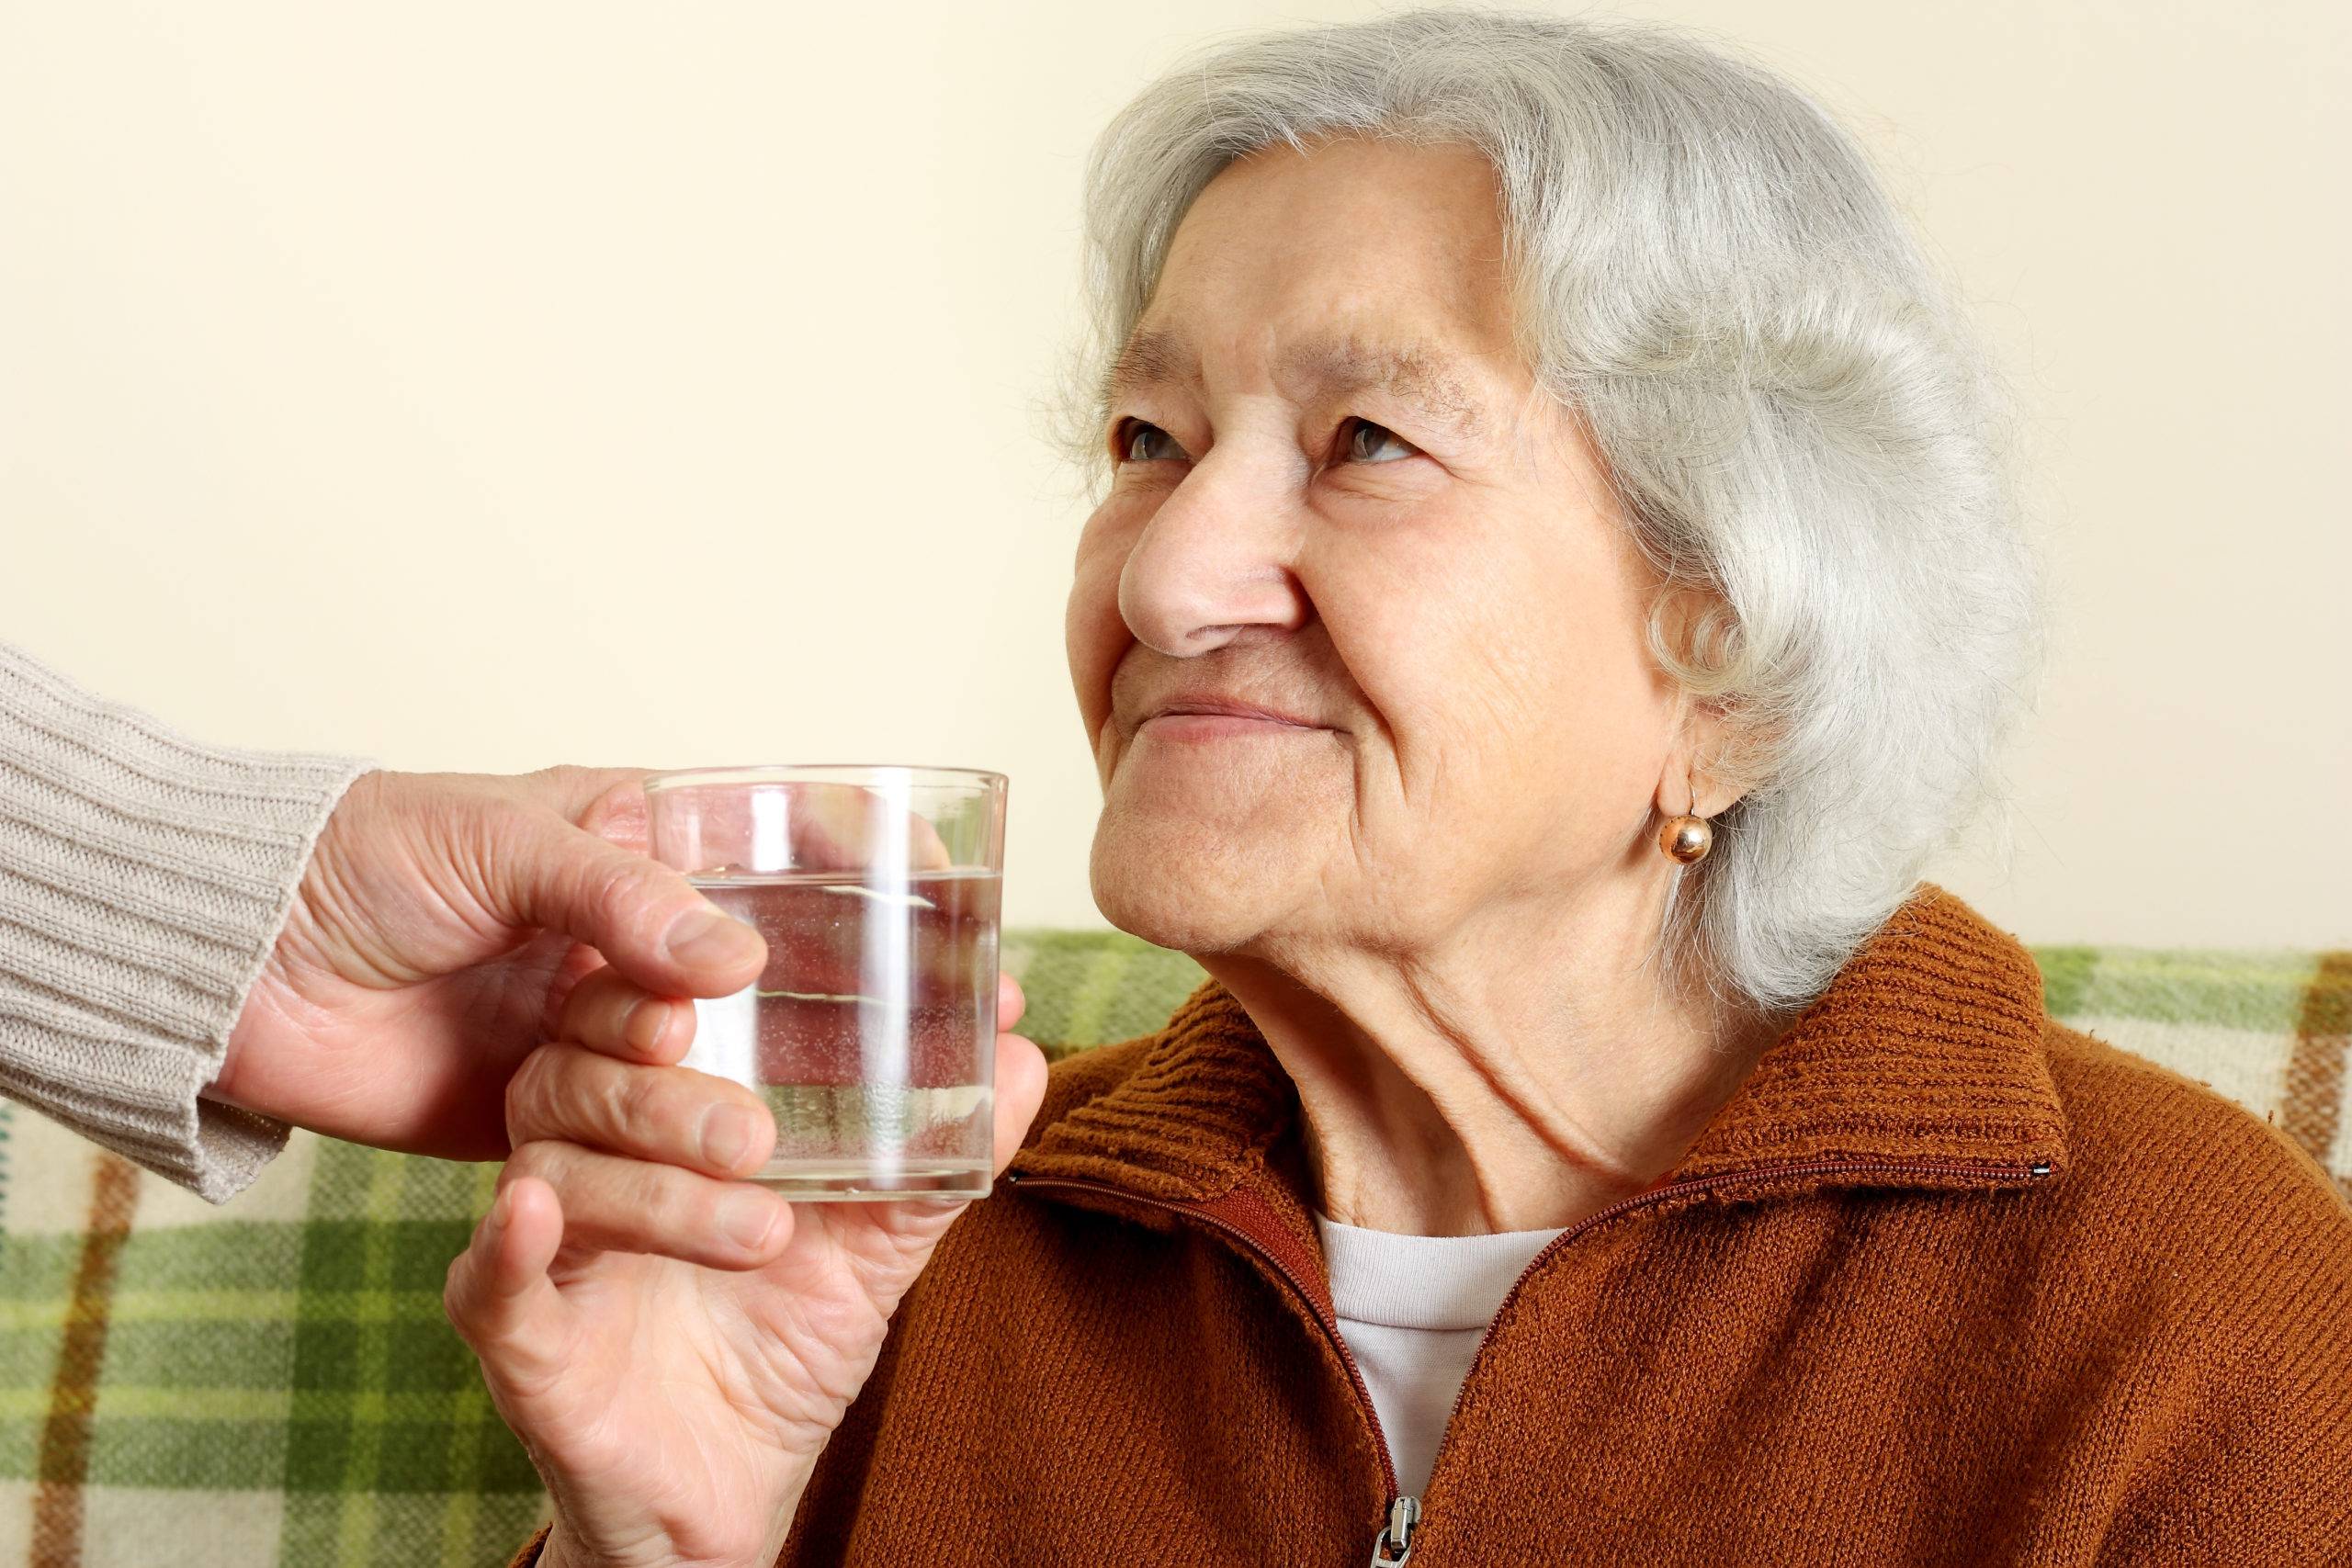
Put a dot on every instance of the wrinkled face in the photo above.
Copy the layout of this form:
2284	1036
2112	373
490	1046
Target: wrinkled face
1341	500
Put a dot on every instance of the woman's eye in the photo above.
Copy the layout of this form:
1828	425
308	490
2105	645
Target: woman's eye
1370	443
1146	442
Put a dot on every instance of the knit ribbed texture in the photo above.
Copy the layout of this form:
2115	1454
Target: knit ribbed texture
1183	1120
143	879
1867	1332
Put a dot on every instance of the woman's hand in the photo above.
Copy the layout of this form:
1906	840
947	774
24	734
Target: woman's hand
673	1346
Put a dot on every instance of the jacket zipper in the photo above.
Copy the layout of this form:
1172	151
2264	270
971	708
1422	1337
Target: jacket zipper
1394	1544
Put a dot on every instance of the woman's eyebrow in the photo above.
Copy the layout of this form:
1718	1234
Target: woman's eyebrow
1152	357
1411	373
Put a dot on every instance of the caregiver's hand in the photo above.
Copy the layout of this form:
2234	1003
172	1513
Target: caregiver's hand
675	1347
441	922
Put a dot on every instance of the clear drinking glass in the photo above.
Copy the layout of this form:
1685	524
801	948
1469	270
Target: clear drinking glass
872	1033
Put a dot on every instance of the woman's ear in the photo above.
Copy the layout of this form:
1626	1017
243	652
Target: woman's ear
1705	772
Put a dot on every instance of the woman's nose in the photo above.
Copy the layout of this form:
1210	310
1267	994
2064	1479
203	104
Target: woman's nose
1215	561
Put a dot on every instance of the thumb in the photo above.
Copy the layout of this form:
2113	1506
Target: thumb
647	920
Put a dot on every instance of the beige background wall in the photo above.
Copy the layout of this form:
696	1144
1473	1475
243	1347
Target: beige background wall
482	386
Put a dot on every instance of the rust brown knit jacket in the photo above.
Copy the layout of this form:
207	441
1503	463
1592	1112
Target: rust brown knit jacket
1944	1282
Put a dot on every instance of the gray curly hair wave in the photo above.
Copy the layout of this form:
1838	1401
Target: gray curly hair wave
1797	416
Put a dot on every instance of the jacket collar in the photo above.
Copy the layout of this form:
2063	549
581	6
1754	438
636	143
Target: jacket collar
1923	1062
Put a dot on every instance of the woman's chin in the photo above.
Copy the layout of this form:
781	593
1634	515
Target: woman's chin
1184	882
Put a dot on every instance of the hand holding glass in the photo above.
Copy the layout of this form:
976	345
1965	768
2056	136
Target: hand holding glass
872	1031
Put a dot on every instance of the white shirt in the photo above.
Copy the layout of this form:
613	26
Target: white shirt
1412	1310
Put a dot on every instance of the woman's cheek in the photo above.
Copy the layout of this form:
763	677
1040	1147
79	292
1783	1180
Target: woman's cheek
1441	668
1095	637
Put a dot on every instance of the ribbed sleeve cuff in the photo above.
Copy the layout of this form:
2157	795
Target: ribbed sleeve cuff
143	879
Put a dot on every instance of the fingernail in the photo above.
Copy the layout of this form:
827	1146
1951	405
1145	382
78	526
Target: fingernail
706	936
747	1216
642	1028
726	1133
498	1209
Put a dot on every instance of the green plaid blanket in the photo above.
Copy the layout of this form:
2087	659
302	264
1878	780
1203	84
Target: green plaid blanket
273	1383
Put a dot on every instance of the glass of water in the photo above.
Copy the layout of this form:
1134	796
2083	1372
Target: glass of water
872	1031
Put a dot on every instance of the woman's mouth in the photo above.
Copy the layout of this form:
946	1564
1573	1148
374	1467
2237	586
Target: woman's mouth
1220	726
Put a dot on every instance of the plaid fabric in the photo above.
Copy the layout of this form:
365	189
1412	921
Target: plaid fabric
273	1383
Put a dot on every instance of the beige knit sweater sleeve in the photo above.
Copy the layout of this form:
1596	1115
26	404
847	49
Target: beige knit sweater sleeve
143	879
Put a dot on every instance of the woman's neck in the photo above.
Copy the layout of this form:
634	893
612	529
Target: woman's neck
1477	1089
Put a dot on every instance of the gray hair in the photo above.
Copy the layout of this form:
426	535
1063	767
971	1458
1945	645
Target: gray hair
1795	413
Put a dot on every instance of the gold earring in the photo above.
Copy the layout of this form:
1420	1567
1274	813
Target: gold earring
1686	839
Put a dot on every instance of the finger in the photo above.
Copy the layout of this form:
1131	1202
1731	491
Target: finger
499	1297
1009	1003
838	826
646	919
621	815
1020	1090
821	938
616	1204
609	1012
587	796
670	1115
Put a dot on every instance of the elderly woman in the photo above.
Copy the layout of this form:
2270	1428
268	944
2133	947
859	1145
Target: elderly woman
1556	581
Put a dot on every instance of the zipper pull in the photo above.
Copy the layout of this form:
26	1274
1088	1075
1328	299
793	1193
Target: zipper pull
1404	1513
